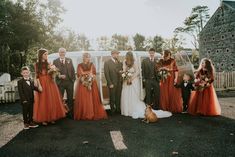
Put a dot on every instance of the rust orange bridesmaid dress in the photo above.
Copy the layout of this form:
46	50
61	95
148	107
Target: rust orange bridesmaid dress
205	101
48	104
170	96
88	104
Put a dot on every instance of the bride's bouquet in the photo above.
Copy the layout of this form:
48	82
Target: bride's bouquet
87	80
163	74
127	75
53	71
201	83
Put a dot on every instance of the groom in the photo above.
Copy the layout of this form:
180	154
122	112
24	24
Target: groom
151	80
112	69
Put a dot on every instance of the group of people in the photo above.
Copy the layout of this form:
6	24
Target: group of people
163	91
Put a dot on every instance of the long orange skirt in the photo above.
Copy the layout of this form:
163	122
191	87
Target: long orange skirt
48	105
170	96
204	102
87	104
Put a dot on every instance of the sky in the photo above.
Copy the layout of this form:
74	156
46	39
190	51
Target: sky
96	18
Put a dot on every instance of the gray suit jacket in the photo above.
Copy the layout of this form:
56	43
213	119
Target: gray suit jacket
112	72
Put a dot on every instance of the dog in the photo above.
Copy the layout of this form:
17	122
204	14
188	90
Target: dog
150	116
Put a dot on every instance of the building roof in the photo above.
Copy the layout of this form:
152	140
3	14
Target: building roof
230	4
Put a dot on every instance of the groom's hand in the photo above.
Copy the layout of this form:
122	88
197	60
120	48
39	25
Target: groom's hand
111	86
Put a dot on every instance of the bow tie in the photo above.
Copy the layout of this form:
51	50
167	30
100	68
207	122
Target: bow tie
185	81
27	79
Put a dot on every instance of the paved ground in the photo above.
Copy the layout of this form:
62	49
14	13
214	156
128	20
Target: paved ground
179	135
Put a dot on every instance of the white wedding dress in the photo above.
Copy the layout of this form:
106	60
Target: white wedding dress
131	105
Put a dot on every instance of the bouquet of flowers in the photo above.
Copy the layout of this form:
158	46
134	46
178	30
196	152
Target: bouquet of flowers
163	74
87	80
127	75
53	71
201	83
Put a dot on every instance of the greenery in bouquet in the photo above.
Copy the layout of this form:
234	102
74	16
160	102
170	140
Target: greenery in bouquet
53	71
87	80
201	83
127	75
163	74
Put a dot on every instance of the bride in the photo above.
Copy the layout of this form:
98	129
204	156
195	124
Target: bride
131	105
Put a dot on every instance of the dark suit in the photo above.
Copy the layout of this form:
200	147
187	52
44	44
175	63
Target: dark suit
186	92
26	99
112	74
151	82
66	84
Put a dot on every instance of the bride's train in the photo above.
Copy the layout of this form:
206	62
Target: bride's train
140	113
131	105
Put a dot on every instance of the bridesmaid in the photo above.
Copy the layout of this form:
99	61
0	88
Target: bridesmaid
170	97
48	105
87	104
204	100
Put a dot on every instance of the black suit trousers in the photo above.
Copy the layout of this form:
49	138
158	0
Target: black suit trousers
27	112
152	93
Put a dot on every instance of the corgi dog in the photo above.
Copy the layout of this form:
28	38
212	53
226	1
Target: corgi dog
150	116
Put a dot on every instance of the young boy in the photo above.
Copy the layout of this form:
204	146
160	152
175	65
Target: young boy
26	88
186	88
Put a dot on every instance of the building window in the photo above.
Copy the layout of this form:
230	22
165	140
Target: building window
217	51
227	50
213	38
232	64
222	64
232	35
222	36
209	51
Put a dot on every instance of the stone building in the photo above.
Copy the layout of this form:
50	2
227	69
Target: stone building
217	40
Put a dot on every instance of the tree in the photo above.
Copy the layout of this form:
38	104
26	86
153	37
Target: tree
157	43
139	42
25	25
174	44
119	42
83	42
194	23
104	43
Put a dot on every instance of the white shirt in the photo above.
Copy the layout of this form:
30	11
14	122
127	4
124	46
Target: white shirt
62	60
27	81
113	60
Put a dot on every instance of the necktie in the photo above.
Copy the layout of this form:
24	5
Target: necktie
62	61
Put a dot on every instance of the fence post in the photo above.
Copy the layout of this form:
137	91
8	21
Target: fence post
223	78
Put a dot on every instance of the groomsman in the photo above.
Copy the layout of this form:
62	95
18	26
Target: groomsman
151	80
65	80
112	69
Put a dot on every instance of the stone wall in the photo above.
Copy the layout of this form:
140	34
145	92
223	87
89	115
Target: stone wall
217	39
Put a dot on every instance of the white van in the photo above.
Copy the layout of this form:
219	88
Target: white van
99	57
